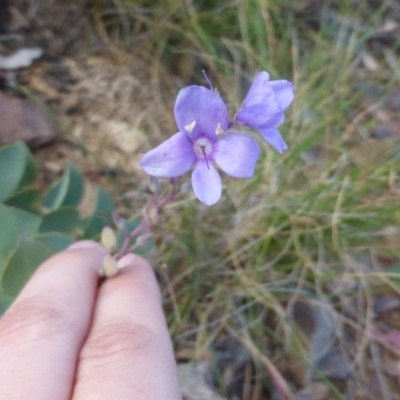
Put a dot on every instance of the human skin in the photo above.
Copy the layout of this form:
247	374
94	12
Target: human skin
67	337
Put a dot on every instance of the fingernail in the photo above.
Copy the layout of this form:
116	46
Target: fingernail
128	259
85	244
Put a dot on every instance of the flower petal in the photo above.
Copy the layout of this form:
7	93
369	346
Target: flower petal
274	138
206	183
259	90
283	91
267	115
205	108
236	154
172	158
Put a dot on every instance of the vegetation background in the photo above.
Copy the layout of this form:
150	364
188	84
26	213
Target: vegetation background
288	288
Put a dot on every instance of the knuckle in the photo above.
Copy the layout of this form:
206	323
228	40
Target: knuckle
34	319
116	341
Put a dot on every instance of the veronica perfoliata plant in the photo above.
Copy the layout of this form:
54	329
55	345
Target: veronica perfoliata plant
208	140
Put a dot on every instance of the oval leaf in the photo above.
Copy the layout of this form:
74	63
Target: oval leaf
27	256
17	169
55	240
68	191
65	219
102	215
8	234
27	223
27	199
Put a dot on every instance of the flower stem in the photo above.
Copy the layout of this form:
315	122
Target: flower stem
144	228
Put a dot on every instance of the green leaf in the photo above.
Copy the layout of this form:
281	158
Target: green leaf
8	234
17	169
102	215
55	240
68	191
65	219
27	256
27	199
5	302
27	223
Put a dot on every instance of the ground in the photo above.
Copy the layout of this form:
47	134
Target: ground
101	101
236	286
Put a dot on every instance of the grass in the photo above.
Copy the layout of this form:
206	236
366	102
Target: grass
308	227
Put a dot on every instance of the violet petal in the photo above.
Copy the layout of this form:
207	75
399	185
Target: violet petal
172	158
268	115
204	108
283	91
206	183
236	154
274	138
259	91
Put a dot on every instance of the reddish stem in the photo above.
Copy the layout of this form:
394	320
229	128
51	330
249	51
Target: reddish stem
153	204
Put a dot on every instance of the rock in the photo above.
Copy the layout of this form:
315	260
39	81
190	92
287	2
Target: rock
23	120
22	58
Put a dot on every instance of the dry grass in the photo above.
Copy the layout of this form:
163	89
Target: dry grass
278	282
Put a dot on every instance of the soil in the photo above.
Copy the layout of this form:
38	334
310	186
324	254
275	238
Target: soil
102	101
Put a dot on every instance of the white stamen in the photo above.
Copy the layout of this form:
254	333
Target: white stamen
219	129
190	126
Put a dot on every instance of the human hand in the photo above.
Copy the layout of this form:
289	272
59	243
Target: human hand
65	337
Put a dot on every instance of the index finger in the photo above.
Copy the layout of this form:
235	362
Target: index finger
43	331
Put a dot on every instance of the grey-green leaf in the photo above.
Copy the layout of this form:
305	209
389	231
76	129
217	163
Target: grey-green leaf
102	215
27	256
65	220
8	234
17	169
57	241
68	191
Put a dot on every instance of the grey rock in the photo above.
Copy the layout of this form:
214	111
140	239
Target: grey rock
23	120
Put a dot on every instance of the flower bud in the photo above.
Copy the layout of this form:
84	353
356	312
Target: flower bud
154	184
186	187
108	239
110	267
153	216
119	222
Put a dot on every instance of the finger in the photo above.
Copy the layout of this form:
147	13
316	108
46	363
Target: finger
43	331
128	354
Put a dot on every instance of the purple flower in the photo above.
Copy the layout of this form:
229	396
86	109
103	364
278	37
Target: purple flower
202	119
263	108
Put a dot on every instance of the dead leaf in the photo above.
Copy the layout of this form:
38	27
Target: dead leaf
369	61
390	237
319	327
20	59
392	337
313	391
386	302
